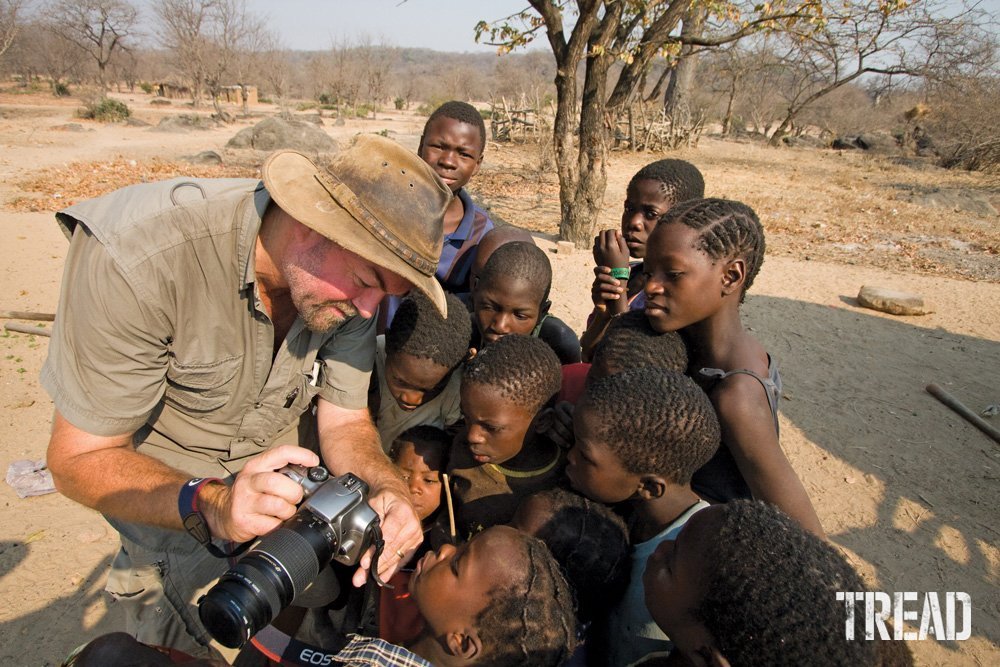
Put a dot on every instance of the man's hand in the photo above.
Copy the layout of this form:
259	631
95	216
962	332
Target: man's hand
259	499
401	530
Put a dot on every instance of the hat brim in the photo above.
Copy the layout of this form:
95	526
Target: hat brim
289	177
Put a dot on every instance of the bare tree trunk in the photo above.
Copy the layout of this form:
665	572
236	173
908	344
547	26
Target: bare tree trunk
727	119
658	88
677	101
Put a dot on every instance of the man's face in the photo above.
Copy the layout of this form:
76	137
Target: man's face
328	284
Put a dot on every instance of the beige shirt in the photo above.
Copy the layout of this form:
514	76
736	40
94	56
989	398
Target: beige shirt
161	331
443	410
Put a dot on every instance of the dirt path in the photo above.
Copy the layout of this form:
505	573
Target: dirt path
902	484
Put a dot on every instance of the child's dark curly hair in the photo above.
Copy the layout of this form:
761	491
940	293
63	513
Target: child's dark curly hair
462	112
590	542
728	229
428	441
519	260
772	593
419	330
631	342
679	180
523	369
656	421
531	620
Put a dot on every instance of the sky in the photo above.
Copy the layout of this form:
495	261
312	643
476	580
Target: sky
442	25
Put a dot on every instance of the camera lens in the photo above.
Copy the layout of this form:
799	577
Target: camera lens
266	580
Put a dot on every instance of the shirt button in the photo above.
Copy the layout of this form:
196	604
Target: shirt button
258	405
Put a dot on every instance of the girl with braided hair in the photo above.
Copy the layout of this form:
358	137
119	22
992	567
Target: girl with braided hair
701	258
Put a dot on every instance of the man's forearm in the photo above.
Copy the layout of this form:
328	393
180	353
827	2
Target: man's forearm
355	447
122	484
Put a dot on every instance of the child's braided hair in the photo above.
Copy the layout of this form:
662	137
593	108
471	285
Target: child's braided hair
728	229
590	542
531	620
679	179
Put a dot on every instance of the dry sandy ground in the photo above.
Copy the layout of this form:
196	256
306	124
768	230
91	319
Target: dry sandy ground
905	487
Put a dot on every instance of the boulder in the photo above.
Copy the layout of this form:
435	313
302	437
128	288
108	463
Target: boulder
274	133
968	201
185	123
892	301
205	158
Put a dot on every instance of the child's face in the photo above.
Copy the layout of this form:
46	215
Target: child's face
495	427
505	307
412	380
453	585
676	582
592	467
645	202
683	284
422	474
453	149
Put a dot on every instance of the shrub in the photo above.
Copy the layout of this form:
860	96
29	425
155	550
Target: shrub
106	110
146	87
60	89
399	102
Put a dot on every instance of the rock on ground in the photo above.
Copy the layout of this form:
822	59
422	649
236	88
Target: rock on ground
892	301
274	133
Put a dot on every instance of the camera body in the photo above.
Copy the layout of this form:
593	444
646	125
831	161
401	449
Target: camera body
333	522
340	505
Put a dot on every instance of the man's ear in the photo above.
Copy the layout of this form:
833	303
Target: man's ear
473	283
471	355
734	274
651	487
464	644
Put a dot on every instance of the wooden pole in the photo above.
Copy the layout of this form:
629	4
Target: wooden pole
26	315
26	329
970	416
451	507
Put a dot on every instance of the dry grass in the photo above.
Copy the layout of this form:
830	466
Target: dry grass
834	206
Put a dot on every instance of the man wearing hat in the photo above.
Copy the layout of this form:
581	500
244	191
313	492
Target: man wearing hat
198	320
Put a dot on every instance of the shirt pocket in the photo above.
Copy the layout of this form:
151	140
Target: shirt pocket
201	387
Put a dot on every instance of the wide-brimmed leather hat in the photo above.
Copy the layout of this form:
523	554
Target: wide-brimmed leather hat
375	199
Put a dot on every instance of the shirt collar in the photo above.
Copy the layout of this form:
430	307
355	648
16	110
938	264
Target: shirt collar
464	227
248	230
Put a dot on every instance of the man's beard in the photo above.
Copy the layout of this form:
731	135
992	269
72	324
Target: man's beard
320	316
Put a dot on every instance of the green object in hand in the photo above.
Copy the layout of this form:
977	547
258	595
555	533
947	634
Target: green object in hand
621	273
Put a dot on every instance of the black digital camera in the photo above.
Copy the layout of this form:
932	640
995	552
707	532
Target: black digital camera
334	522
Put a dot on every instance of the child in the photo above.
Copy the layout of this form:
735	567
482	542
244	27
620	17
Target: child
418	367
419	453
651	192
629	342
511	295
590	542
498	459
701	258
452	143
640	434
744	585
498	600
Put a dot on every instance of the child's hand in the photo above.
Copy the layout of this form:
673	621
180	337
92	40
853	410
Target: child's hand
608	293
556	424
610	249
